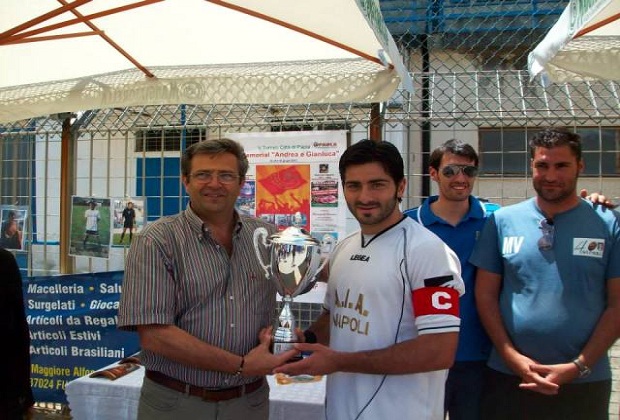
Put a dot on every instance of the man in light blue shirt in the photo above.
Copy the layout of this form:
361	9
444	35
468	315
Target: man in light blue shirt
548	293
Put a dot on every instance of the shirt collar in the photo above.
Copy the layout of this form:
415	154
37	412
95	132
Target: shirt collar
198	225
427	217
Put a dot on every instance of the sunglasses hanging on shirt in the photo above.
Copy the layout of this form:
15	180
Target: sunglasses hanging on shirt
545	243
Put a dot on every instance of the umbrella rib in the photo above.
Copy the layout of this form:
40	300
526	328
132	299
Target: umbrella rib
49	38
597	25
300	30
16	38
111	41
8	34
11	36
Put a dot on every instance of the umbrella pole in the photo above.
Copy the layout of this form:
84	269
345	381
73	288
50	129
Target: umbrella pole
374	130
66	169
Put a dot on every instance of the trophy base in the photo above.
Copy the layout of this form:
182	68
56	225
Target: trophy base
279	347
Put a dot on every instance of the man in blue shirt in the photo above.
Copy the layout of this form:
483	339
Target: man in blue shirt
457	218
548	293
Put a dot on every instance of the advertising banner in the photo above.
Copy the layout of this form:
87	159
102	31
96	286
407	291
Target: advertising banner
73	332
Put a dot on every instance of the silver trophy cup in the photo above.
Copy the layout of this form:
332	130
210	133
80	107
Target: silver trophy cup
294	261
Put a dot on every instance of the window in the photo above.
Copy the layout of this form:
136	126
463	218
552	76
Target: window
168	140
601	150
505	151
15	168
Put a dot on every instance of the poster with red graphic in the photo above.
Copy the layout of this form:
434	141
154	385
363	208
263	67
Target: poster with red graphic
283	191
293	178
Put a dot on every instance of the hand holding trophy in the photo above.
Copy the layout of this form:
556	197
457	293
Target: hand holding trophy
295	261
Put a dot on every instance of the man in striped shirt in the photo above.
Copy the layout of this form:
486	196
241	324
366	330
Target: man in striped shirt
199	299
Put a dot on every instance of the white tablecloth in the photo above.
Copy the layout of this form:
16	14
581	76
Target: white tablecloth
103	399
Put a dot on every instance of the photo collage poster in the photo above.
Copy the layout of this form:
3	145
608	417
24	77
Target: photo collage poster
293	178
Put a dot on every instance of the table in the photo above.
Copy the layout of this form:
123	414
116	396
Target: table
103	399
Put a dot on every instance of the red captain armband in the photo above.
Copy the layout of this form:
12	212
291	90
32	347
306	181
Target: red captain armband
435	301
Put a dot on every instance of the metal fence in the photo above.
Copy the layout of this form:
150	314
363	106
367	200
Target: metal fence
496	111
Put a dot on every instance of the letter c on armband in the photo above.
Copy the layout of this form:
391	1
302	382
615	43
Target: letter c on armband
441	300
435	301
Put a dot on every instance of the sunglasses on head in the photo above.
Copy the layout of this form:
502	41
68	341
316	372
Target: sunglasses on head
545	243
452	170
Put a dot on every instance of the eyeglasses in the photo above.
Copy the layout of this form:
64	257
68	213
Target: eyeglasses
451	170
222	177
545	243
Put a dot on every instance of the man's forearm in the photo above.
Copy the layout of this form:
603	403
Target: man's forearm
491	319
175	344
487	301
425	353
320	328
602	338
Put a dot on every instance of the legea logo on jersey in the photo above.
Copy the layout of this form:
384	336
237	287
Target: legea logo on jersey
360	257
512	244
589	247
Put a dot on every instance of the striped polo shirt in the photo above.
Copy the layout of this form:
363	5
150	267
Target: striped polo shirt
177	274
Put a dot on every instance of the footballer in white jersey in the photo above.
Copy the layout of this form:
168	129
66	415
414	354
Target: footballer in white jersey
385	289
389	329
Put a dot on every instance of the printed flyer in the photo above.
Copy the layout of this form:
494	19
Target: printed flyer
294	178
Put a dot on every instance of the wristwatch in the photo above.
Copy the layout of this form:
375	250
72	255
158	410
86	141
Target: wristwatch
583	369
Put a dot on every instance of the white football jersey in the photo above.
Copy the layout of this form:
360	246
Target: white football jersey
392	287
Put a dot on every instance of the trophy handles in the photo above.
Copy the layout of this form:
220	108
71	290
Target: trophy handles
322	265
260	236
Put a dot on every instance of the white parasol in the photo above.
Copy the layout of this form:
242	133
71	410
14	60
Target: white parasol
584	44
69	55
